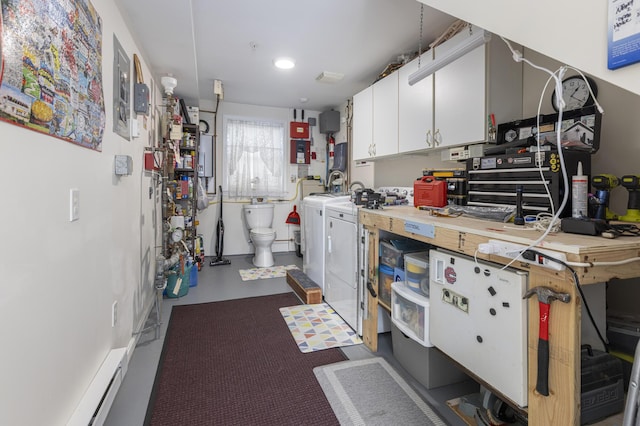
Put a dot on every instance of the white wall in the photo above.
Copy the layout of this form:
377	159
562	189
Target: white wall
59	278
619	148
573	32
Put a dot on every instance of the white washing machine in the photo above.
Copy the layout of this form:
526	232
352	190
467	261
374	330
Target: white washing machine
314	235
341	261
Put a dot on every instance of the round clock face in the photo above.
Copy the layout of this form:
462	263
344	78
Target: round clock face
575	93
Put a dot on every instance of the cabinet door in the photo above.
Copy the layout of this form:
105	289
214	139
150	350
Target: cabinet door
460	97
415	108
385	115
363	124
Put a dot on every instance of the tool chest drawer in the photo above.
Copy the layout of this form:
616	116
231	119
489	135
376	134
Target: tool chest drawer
492	180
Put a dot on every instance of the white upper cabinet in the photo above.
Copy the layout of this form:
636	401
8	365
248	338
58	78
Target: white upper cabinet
450	107
460	113
415	110
467	91
385	116
363	125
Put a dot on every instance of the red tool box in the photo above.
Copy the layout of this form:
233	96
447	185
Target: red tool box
430	191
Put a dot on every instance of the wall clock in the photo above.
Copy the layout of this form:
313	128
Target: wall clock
575	93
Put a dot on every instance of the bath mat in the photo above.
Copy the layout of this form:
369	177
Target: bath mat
318	327
264	273
370	392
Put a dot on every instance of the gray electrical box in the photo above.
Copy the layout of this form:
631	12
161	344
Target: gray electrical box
141	98
329	121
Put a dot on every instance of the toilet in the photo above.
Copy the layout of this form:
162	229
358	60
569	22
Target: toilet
259	220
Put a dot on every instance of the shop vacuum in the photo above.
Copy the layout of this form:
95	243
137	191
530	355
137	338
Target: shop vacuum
219	260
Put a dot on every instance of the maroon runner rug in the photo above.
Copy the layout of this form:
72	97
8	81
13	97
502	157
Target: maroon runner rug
236	363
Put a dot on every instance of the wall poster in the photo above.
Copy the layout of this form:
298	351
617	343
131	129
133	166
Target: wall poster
51	70
623	33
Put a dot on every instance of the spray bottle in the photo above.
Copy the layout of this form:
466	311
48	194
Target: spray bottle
579	194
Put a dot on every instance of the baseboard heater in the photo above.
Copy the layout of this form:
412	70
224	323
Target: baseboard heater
96	402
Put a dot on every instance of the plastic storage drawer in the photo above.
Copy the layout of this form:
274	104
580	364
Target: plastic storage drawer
416	272
410	313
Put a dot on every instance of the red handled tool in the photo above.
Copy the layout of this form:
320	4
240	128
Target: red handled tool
546	295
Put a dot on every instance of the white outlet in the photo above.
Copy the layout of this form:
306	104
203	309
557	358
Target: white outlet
114	313
74	204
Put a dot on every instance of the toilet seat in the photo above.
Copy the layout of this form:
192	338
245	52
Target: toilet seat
263	231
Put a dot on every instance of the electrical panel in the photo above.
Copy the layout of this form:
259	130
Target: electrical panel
141	98
300	152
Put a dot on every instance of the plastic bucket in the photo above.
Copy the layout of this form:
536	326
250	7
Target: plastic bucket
178	284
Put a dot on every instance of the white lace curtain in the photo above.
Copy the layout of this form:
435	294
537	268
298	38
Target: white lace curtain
253	158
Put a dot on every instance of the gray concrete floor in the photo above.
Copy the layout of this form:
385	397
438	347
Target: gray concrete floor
224	283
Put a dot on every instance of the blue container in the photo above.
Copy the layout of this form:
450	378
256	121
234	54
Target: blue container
385	278
193	276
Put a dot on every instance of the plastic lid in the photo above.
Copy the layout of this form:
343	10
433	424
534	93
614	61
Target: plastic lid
385	269
262	231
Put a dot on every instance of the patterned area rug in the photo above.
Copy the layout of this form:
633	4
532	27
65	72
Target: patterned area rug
264	273
318	327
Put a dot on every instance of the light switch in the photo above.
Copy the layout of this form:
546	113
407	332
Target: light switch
74	204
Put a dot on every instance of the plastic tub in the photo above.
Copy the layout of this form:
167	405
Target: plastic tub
385	279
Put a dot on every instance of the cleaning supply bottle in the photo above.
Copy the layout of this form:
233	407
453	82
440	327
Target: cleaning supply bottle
579	194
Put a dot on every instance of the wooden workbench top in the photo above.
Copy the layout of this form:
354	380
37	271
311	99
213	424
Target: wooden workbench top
463	234
567	243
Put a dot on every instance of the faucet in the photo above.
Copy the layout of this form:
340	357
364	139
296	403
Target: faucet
332	179
357	182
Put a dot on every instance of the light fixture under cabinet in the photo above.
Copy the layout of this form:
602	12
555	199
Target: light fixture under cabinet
477	38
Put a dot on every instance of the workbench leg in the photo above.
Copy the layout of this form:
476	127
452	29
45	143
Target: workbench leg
561	406
370	322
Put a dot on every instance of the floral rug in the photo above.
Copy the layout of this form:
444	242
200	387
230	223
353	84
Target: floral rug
318	327
264	273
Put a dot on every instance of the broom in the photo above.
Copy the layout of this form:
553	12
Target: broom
293	218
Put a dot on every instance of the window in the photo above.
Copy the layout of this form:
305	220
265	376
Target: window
254	157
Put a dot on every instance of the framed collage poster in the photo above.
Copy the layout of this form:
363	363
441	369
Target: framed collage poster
51	70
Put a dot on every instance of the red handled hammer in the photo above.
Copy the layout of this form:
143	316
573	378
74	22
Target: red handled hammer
546	295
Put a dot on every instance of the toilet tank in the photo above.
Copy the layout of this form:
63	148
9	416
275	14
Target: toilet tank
258	215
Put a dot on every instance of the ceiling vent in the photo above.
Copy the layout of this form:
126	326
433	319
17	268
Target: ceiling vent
329	77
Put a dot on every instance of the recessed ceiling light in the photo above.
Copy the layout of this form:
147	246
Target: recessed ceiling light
284	63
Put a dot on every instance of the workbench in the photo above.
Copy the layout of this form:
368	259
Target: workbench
463	235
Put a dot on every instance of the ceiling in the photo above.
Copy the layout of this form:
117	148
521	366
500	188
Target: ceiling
199	41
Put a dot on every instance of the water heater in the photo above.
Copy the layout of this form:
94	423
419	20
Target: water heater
329	122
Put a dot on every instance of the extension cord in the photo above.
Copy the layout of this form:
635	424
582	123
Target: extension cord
515	251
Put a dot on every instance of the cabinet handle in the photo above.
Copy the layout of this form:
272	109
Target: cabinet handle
437	138
329	244
371	290
374	149
428	140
